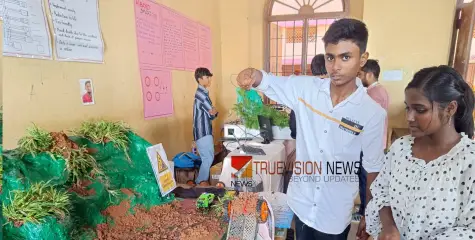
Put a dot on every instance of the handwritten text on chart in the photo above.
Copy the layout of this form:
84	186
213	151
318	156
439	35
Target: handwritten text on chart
166	38
77	31
25	29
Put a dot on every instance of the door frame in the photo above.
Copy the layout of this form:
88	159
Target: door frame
455	29
459	57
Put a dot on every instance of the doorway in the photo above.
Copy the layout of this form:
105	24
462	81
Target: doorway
462	53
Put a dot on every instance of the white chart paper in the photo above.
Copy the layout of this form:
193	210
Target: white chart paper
393	75
77	32
25	29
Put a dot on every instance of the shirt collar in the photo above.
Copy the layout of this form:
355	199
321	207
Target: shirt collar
373	84
355	97
202	88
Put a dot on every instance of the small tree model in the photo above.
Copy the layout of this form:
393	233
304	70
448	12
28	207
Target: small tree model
248	111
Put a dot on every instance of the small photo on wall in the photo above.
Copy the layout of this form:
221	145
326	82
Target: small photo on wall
87	91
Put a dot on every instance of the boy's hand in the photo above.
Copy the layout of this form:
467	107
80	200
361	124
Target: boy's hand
389	233
249	78
213	111
361	234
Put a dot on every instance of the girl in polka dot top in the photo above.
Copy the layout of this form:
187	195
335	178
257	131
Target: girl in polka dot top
426	187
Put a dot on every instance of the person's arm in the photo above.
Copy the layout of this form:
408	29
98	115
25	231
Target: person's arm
386	216
213	117
380	96
464	227
378	211
205	106
282	89
373	149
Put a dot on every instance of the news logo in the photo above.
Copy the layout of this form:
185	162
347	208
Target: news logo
243	176
242	165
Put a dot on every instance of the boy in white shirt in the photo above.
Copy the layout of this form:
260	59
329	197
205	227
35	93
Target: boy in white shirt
336	120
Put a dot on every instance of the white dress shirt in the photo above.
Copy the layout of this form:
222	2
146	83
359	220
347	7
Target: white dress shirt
328	134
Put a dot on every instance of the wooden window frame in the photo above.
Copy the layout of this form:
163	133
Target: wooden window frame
301	16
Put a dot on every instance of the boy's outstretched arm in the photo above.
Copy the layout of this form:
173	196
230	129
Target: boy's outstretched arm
282	89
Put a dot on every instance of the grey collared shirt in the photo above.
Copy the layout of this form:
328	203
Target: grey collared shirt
201	118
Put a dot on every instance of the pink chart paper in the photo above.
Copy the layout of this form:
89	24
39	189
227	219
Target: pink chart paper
191	44
157	93
149	33
167	40
172	24
205	46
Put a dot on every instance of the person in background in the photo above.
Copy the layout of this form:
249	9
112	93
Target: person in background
337	119
87	97
369	75
426	187
203	114
318	66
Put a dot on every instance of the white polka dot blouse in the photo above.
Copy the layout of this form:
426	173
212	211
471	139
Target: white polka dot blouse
432	200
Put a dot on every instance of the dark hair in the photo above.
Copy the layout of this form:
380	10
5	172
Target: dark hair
87	83
202	72
372	66
443	84
347	29
318	65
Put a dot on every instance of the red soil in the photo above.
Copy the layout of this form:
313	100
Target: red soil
178	220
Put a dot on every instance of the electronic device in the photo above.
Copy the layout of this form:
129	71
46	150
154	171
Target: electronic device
279	133
278	107
265	126
238	131
228	139
250	150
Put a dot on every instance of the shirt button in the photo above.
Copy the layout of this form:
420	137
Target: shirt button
331	111
321	151
325	131
315	205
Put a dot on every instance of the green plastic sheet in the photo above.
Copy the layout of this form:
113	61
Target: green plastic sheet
135	173
49	229
132	171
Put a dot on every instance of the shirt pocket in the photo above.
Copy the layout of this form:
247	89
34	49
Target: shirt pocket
347	141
